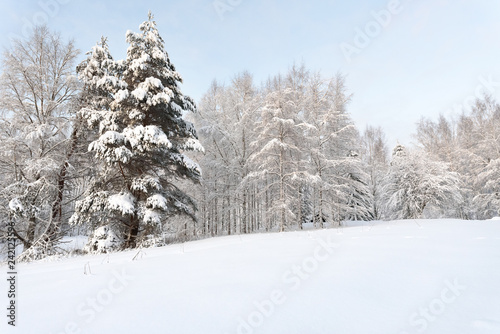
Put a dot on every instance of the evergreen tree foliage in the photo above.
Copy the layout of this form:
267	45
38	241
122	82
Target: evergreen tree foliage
138	109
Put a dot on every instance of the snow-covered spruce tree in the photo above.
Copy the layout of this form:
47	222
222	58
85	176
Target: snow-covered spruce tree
359	198
415	183
142	138
100	76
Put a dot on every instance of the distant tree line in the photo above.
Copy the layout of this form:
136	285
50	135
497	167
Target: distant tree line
108	148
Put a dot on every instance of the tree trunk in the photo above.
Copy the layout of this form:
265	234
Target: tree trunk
282	191
244	218
131	241
56	216
299	195
30	232
26	243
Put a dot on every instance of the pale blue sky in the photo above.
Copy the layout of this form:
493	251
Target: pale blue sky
428	58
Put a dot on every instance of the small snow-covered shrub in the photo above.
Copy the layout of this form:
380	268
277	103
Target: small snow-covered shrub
41	249
103	240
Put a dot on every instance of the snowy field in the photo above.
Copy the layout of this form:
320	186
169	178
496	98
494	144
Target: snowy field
425	276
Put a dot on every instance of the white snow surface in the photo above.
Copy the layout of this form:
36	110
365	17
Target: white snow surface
74	243
383	277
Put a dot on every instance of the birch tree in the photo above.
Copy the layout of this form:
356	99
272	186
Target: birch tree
38	134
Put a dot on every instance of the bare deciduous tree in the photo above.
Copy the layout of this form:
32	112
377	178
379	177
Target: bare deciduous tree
37	132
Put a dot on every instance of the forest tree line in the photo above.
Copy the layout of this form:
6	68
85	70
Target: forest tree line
114	150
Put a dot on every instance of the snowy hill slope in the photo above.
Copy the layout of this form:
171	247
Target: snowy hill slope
432	276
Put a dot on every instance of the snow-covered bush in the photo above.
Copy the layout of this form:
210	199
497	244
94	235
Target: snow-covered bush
415	183
103	240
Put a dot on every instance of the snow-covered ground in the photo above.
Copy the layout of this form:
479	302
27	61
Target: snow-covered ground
425	276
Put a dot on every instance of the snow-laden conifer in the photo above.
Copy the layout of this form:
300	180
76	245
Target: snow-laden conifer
138	109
